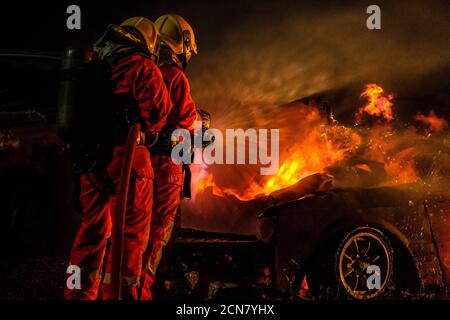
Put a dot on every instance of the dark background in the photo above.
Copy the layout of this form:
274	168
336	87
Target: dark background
259	54
254	57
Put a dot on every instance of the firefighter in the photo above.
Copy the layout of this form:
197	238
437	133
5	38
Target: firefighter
176	49
139	91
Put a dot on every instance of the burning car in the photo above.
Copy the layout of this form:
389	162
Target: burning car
381	203
332	238
324	243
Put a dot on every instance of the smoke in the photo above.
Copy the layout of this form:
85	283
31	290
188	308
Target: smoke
284	53
247	73
252	65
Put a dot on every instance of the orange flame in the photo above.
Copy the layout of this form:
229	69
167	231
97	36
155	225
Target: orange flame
433	122
381	144
325	146
379	105
318	145
321	146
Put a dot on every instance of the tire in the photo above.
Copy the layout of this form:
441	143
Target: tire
329	275
364	264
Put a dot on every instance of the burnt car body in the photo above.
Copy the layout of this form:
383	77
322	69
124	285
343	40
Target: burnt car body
412	221
331	237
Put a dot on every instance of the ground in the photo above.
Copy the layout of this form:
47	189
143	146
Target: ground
201	273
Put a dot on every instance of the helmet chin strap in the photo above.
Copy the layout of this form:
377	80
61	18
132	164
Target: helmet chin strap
168	57
179	60
183	61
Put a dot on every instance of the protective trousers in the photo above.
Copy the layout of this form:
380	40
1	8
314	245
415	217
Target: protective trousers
167	198
98	202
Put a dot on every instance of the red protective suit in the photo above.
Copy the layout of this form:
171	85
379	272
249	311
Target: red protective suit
138	78
168	177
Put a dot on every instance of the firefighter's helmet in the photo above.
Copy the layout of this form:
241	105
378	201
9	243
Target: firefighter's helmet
141	31
177	34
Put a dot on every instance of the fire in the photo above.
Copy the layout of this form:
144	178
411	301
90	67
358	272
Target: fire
287	175
324	146
205	182
382	143
378	104
433	122
316	147
378	154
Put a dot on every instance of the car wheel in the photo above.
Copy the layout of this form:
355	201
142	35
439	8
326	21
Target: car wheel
364	264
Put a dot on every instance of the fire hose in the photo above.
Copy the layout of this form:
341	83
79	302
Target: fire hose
120	211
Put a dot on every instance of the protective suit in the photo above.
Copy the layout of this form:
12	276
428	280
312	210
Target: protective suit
139	90
168	175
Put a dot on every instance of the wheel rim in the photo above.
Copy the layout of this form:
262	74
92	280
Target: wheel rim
358	253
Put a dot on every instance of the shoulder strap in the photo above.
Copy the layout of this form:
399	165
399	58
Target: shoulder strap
112	58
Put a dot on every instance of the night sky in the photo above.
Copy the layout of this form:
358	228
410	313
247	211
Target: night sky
258	54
